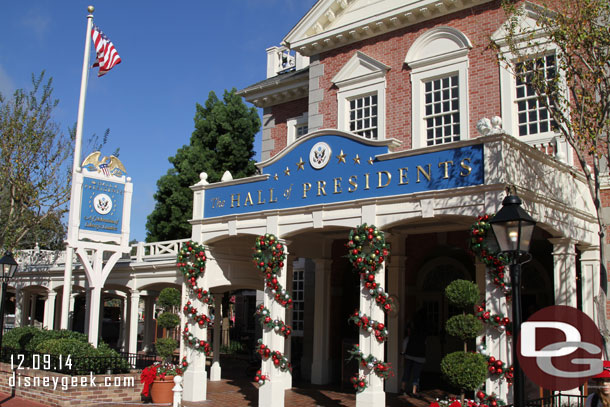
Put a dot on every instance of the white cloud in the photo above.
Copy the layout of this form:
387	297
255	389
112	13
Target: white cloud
7	86
37	22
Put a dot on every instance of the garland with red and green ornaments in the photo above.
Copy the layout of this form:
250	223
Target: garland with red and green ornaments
367	250
367	324
497	267
269	257
191	262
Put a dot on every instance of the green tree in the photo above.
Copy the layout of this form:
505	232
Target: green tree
223	140
34	171
578	98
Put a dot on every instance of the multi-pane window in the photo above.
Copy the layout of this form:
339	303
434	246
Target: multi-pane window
442	110
298	301
301	130
363	116
533	116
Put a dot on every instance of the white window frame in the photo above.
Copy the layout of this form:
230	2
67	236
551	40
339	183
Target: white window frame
344	97
508	86
438	53
418	78
292	124
298	332
508	83
361	76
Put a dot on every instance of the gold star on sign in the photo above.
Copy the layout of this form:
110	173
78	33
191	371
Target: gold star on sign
287	171
301	164
357	159
370	161
275	177
341	157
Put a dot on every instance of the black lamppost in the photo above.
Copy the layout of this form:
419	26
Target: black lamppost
513	228
8	267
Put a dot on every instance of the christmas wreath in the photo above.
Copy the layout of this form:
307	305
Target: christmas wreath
495	262
191	262
367	248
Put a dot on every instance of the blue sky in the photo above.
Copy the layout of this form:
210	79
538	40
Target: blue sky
173	54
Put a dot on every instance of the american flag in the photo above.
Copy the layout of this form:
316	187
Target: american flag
107	55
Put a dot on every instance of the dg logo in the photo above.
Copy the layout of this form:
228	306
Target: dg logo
560	348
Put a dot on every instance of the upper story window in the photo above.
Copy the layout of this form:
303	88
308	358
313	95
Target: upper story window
525	114
361	96
442	110
439	69
296	127
363	116
532	114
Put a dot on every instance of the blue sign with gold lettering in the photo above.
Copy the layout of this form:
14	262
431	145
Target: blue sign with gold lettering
334	168
102	205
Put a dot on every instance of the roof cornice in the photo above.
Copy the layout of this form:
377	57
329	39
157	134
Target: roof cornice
313	35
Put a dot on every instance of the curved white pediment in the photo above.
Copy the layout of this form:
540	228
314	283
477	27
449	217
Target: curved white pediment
437	45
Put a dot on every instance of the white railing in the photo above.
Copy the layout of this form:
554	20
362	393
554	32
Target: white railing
37	259
156	250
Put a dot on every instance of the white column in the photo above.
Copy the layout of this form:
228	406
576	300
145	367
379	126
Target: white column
87	307
320	366
71	311
94	315
49	310
215	369
498	343
396	286
25	318
149	310
33	301
123	341
273	392
18	307
589	271
133	321
374	394
67	291
564	261
196	377
288	321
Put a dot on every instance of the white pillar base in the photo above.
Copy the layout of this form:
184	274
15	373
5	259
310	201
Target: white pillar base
371	398
195	384
272	392
215	371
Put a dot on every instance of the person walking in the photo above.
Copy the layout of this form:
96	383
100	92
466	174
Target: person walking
414	353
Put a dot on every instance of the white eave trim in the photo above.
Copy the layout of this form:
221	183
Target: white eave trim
410	14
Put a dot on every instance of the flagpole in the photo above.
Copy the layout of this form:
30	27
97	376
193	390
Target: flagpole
65	304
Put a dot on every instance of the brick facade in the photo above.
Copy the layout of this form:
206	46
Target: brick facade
61	391
282	113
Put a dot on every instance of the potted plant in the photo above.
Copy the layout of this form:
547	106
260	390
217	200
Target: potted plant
158	381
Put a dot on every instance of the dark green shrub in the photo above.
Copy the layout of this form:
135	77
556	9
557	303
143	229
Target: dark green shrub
464	327
463	294
466	371
168	320
169	297
18	338
165	347
84	357
44	335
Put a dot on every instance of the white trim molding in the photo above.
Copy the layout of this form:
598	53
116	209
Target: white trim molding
361	76
438	53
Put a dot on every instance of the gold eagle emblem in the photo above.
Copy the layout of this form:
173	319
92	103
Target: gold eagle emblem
107	165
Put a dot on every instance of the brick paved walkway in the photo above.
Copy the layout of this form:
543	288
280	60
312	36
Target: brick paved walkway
6	400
